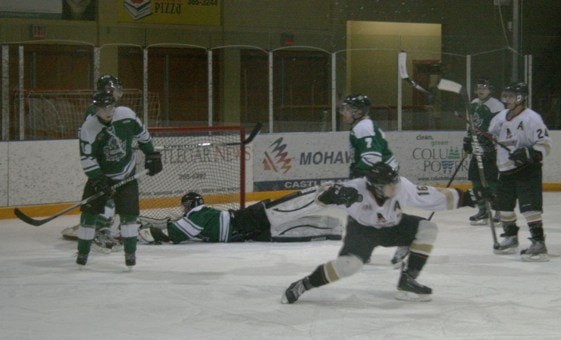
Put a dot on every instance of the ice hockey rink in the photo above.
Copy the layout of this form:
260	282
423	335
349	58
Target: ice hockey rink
232	291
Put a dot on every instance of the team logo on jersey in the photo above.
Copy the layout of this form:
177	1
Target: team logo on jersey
520	126
508	134
115	149
276	157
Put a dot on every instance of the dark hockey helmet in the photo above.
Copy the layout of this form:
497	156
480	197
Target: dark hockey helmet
485	83
108	83
358	103
191	200
104	105
379	176
103	99
519	89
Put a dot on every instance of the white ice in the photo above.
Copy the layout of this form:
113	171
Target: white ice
232	291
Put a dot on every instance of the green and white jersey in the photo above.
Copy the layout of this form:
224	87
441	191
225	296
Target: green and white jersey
483	112
204	223
106	148
369	146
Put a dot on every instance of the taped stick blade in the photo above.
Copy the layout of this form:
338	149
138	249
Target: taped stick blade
402	65
449	86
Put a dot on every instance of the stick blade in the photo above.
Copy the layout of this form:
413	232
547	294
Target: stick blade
22	216
402	65
449	86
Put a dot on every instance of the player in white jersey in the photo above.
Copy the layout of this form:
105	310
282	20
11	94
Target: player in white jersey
374	204
523	131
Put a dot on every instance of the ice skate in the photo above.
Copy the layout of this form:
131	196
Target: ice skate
408	289
536	252
81	260
130	260
481	218
293	292
399	256
508	245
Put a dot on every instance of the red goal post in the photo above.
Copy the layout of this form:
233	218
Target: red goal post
206	160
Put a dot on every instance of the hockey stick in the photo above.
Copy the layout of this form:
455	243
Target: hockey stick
290	196
35	222
450	86
254	132
452	178
443	85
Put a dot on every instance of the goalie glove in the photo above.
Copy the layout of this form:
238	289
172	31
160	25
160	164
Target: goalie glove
524	156
153	163
339	195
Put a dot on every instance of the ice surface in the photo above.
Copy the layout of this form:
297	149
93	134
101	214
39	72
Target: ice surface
232	291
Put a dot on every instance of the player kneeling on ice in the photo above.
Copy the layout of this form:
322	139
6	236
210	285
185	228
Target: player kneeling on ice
374	204
291	218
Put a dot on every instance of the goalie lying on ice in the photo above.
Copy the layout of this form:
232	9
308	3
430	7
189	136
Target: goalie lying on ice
292	218
288	219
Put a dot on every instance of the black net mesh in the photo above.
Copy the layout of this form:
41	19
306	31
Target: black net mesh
204	160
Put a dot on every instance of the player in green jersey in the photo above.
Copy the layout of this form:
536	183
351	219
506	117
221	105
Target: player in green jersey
483	109
107	158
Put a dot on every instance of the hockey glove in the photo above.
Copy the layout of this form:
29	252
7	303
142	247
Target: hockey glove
525	156
470	197
339	194
467	145
103	184
153	163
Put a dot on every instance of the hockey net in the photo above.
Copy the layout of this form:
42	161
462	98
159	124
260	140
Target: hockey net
207	160
60	113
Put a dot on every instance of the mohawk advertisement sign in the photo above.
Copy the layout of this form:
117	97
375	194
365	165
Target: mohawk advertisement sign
179	12
297	161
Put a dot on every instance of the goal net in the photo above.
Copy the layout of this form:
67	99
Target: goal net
207	160
60	113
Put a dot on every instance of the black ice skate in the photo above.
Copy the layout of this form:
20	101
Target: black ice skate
130	260
293	292
105	243
399	256
536	252
481	218
408	289
508	245
81	260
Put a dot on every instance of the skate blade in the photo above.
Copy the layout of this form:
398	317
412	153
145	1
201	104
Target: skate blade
534	258
508	251
480	222
129	269
410	296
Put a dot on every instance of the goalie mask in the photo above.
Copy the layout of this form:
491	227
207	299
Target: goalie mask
514	94
191	200
356	106
111	84
382	180
104	105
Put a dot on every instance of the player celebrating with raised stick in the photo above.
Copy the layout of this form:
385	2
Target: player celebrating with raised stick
520	171
107	158
374	204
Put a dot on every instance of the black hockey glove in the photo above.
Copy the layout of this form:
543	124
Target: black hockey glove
103	184
470	197
467	145
153	163
339	194
525	156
